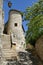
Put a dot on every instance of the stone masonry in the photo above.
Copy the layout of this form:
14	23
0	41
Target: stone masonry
12	39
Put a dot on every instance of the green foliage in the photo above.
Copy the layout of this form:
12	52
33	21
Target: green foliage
35	26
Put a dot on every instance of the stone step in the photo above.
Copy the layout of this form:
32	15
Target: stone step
8	53
25	63
10	62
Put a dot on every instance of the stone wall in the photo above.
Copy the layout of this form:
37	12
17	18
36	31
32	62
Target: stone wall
1	18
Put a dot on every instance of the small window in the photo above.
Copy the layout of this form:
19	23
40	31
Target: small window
15	24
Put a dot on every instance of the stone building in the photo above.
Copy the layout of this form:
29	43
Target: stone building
12	38
14	28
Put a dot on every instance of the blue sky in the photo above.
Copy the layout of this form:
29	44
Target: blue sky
20	5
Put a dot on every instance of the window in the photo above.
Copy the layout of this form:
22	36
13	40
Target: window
15	24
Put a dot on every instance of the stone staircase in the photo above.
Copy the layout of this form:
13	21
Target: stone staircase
10	56
8	53
22	59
